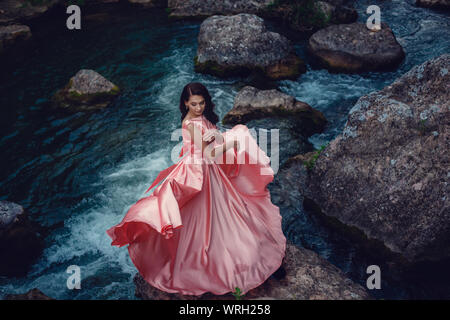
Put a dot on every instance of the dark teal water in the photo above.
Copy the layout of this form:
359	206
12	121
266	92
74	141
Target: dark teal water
86	170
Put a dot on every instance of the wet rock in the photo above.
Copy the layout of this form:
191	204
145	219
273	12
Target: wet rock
240	45
87	90
308	276
353	48
308	16
387	173
12	35
251	103
16	11
202	9
20	241
33	294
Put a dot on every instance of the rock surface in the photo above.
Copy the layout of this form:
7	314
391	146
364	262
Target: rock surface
251	103
206	8
308	276
87	90
241	44
20	241
308	16
387	173
15	11
33	294
353	48
12	35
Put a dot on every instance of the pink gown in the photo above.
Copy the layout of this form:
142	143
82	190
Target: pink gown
209	226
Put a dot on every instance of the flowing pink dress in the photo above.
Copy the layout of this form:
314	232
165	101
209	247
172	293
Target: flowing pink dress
209	226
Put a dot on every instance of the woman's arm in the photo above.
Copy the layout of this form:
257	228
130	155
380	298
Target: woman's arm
196	136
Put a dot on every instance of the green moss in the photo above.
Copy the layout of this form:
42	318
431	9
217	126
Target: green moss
237	293
301	12
115	90
213	68
311	162
75	95
422	127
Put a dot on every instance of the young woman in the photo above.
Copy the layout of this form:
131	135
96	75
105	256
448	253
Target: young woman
210	226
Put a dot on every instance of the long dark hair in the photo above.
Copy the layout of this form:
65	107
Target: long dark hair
196	88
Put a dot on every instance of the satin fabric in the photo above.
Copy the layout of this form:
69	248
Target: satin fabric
210	226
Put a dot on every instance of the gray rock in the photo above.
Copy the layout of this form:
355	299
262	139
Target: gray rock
309	16
240	44
251	103
353	48
206	8
20	241
9	213
87	90
16	11
387	173
12	35
308	276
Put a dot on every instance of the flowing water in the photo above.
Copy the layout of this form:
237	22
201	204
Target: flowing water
87	169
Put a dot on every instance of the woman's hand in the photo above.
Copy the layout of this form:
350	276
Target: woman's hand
209	135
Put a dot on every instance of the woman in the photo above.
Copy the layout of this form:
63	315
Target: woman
210	226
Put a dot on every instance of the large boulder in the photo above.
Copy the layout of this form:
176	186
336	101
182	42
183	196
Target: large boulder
13	35
307	16
14	11
308	276
353	48
387	174
435	4
202	9
20	241
86	90
251	103
241	44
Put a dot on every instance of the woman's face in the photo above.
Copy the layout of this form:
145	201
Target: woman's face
195	105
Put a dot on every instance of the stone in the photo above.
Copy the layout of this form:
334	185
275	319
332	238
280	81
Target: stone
86	90
353	48
202	9
239	45
20	241
308	276
12	35
387	173
251	103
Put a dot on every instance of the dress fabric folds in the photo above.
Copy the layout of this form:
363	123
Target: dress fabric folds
210	226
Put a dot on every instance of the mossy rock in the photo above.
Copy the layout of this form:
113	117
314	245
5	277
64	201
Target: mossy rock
289	68
71	99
